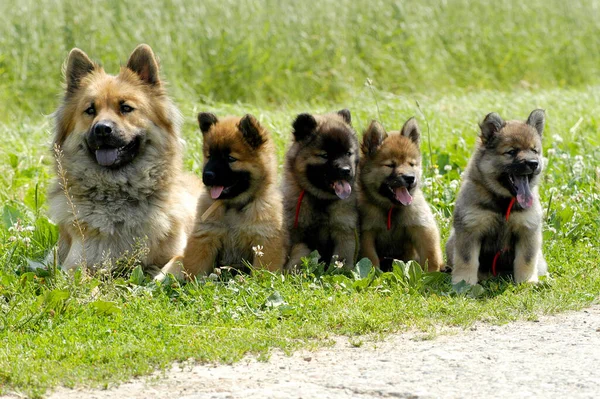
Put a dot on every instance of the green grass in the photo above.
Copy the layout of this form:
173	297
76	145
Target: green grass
270	51
452	64
99	330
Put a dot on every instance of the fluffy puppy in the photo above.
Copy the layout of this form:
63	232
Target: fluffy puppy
498	217
319	188
396	221
240	215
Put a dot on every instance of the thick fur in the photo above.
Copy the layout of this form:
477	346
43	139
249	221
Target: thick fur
239	154
480	229
388	161
324	150
143	196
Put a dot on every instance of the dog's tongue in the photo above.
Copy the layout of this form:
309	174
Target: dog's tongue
215	191
524	196
402	195
342	189
107	157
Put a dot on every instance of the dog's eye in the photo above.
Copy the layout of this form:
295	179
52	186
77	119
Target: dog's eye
91	110
324	155
390	165
535	151
349	154
512	152
231	159
125	109
412	164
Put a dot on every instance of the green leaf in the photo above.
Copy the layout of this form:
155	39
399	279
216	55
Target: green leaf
363	268
14	160
275	300
137	276
10	214
105	308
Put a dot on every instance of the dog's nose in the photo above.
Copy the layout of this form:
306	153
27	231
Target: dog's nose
408	179
103	129
346	169
532	163
208	177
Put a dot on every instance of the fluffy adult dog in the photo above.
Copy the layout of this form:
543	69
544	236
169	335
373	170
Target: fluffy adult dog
498	217
241	207
119	165
319	195
396	222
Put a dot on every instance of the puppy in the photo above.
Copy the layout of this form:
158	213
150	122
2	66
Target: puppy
240	212
498	217
396	222
319	188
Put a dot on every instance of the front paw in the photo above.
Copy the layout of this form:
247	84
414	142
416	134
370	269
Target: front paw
468	278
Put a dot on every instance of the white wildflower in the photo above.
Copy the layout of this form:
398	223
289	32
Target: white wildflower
258	251
557	138
338	264
448	168
551	151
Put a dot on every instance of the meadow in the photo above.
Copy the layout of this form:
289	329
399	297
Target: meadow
448	63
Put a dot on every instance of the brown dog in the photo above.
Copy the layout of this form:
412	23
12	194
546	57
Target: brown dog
396	222
498	217
319	190
119	164
240	215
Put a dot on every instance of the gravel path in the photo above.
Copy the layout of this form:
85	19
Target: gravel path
556	357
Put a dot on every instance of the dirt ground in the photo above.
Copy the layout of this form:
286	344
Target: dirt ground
555	357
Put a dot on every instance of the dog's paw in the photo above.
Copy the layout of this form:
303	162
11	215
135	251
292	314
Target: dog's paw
466	277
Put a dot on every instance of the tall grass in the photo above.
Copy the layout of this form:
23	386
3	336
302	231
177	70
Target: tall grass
273	51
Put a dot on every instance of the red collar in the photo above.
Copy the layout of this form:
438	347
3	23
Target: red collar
300	197
506	217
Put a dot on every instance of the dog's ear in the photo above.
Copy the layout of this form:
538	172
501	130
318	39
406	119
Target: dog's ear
490	126
252	131
411	130
304	126
78	66
537	119
206	120
143	62
346	116
373	138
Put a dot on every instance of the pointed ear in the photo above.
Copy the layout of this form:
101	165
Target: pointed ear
253	132
411	130
490	126
78	66
304	126
537	119
206	120
345	114
143	62
373	138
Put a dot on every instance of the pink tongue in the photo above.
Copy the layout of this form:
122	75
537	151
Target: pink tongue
402	195
107	157
524	195
215	191
342	189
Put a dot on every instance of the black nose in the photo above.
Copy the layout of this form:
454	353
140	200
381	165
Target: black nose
208	177
103	129
408	179
345	170
532	163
